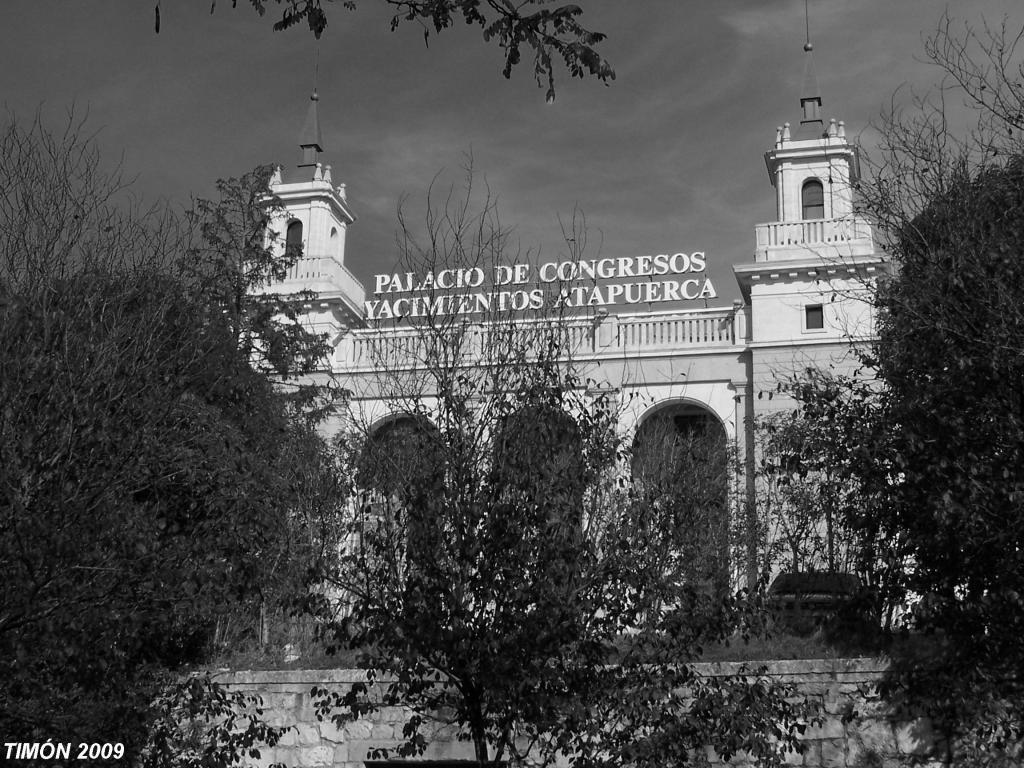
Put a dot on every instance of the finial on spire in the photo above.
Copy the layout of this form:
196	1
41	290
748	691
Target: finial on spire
310	141
807	24
811	124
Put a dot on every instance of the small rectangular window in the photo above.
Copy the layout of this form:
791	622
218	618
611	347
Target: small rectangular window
814	317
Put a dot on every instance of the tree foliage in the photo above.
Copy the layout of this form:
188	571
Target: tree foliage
680	462
934	447
502	575
546	31
800	494
152	480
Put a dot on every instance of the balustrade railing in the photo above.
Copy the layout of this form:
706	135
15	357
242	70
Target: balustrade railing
584	337
847	234
713	329
325	275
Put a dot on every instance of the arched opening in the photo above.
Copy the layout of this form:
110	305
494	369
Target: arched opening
812	200
680	468
293	239
401	472
400	456
538	463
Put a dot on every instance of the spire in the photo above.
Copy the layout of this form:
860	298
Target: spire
811	124
310	141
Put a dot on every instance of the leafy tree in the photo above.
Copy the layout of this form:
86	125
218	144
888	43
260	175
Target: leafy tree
548	32
233	262
152	481
935	445
800	494
501	574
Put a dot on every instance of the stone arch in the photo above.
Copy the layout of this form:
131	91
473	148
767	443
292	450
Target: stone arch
680	465
543	428
400	456
400	473
538	454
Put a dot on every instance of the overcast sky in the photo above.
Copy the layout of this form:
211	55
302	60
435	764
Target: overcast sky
667	158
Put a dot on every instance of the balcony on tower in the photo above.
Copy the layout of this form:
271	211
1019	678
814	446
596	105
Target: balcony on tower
831	240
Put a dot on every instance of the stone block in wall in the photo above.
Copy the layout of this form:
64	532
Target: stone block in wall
796	667
858	676
279	717
831	690
331	732
359	751
794	757
357	730
315	757
812	753
833	753
874	735
915	737
283	700
859	756
291	738
868	708
449	750
393	714
307	733
853	689
813	686
304	715
265	759
841	705
739	760
830	728
283	755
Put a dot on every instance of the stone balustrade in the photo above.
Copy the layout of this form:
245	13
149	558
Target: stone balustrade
324	275
817	238
585	338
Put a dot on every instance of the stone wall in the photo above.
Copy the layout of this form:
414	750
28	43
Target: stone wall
872	739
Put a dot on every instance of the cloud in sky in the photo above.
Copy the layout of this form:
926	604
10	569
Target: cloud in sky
669	157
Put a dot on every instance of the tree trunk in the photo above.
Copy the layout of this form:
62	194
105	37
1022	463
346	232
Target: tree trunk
480	743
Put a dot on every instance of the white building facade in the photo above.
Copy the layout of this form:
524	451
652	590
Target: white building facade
805	296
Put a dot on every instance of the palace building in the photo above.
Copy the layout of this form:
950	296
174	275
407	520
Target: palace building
804	294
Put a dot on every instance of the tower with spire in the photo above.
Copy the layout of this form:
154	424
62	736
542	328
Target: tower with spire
813	168
315	213
808	286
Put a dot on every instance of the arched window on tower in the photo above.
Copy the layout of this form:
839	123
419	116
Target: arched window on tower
293	238
812	198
